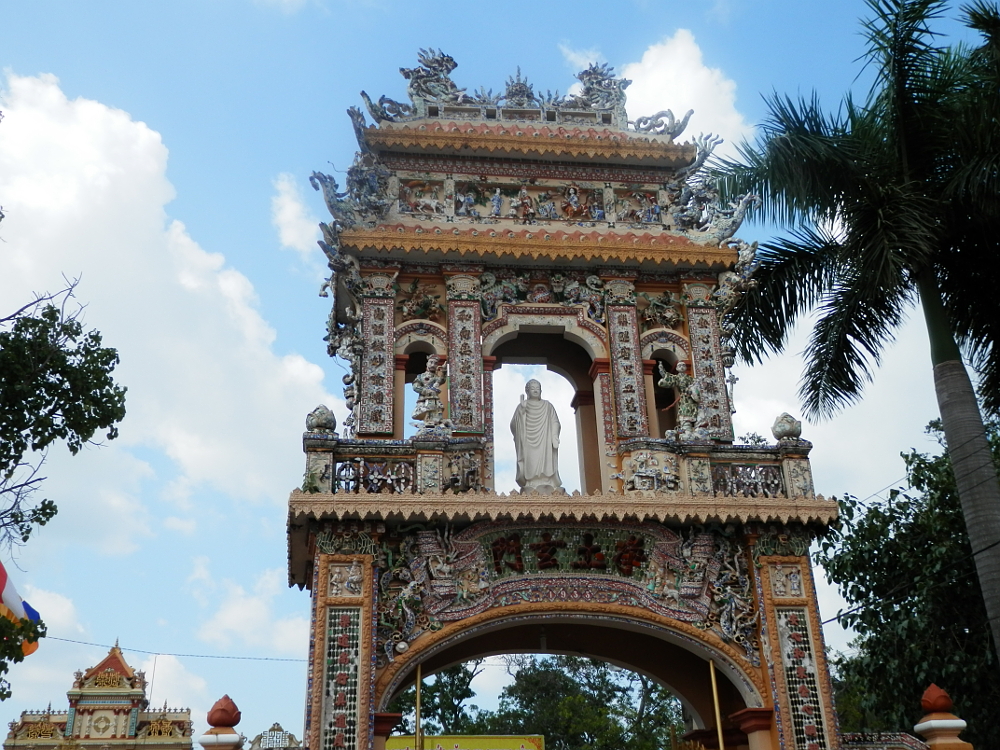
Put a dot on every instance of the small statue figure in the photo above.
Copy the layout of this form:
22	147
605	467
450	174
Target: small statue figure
571	207
497	202
429	411
547	207
595	208
794	582
688	398
535	426
355	578
527	206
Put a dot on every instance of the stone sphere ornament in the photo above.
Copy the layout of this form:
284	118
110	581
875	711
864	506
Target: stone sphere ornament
321	419
786	427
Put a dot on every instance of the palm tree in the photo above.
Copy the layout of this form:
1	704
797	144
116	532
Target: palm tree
888	203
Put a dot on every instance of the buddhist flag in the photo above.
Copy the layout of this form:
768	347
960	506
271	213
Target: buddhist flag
14	608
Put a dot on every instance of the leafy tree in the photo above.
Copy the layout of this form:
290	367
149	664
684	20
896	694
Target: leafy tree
905	566
574	702
443	699
890	202
55	385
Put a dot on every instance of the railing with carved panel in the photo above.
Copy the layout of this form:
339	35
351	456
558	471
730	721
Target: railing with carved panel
748	480
374	476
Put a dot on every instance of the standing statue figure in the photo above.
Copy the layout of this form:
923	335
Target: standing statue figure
688	396
429	411
536	441
497	202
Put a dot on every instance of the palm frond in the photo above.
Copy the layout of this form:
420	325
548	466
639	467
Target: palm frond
794	165
855	323
794	275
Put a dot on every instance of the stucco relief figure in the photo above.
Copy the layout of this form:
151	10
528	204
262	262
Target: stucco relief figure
688	395
536	441
429	411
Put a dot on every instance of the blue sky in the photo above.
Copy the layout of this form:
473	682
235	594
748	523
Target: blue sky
161	151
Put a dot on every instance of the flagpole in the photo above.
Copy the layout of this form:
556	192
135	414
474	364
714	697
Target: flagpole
418	740
715	698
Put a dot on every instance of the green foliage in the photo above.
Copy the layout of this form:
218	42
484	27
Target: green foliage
443	700
905	566
11	635
574	702
55	385
888	200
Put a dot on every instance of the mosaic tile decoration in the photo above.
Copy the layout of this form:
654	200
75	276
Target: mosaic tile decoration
630	389
465	365
341	679
377	367
801	684
715	413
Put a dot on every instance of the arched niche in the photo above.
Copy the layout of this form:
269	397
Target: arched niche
661	345
568	343
674	654
569	322
421	336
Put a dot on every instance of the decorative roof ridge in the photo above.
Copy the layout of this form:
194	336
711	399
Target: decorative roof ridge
500	241
526	127
114	660
644	505
615	146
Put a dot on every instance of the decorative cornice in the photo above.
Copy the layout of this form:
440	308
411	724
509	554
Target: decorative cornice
530	140
663	507
534	242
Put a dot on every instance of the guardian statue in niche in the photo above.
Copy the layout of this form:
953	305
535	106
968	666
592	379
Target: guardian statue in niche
536	441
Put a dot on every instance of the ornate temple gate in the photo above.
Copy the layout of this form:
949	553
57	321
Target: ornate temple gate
479	230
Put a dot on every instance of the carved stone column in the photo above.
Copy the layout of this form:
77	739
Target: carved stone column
399	416
489	423
627	369
376	395
604	417
465	354
339	716
714	413
588	442
795	639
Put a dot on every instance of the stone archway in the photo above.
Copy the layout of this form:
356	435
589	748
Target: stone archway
673	654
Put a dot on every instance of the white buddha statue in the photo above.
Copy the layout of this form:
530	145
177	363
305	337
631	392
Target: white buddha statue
536	441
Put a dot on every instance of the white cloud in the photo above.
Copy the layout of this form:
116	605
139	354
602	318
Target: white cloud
172	682
57	611
580	59
185	526
672	75
84	190
249	618
297	227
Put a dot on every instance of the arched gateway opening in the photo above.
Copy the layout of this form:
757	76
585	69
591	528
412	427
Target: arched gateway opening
678	659
477	232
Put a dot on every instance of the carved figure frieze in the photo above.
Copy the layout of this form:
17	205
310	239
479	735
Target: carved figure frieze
648	470
786	581
419	301
662	310
434	575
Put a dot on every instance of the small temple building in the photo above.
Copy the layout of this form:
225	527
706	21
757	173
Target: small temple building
108	710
